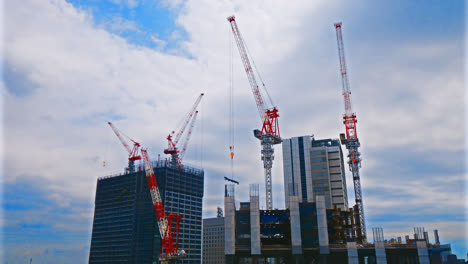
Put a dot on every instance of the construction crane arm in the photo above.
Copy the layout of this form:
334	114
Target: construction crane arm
269	117
349	116
118	134
187	119
132	152
248	67
343	70
187	138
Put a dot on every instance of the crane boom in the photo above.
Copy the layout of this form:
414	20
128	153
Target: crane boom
168	224
132	152
351	140
187	138
189	115
248	68
172	142
269	134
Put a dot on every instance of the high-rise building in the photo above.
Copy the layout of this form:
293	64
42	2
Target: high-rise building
213	240
125	228
314	167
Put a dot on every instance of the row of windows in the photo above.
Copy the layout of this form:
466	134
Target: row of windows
319	167
317	152
320	159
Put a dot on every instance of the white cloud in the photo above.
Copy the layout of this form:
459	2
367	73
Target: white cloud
120	25
160	44
129	3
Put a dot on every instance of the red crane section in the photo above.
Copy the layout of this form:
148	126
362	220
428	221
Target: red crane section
168	224
268	116
132	152
349	118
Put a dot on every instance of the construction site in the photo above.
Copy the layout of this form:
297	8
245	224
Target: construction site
159	220
317	226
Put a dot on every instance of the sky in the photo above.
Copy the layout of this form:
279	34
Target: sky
69	67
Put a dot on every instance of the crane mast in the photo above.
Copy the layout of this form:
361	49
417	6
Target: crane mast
168	224
132	152
351	140
269	135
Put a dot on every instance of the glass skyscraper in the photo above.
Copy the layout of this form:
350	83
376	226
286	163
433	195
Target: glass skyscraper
314	167
125	228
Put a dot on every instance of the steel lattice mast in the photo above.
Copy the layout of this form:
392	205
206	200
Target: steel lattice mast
351	140
269	135
168	224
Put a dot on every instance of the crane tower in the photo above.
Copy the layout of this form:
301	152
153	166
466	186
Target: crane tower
269	135
351	141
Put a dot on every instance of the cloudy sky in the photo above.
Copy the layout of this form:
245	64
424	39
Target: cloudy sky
71	66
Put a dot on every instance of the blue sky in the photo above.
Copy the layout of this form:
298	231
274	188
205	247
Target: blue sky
71	66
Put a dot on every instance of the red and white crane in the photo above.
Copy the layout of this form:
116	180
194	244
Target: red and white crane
132	152
172	141
168	224
269	134
351	140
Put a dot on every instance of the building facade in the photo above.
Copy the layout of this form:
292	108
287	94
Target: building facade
311	233
124	226
314	168
213	240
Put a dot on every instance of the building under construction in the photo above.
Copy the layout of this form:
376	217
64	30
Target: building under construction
308	232
125	228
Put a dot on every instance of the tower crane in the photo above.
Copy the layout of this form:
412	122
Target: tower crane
132	152
172	141
351	140
269	135
168	224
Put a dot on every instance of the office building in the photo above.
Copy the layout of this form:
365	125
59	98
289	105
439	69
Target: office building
213	240
124	226
314	168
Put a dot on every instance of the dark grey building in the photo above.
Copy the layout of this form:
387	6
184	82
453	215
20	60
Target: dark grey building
314	167
124	227
213	240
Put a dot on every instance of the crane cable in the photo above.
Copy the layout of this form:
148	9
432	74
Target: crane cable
258	74
231	103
